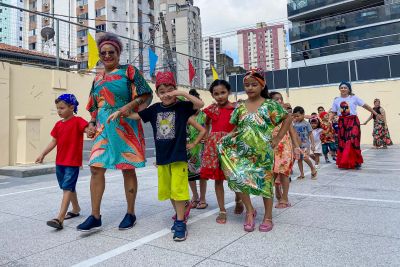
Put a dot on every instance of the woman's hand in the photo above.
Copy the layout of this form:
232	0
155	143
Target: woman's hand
274	142
114	116
91	131
190	146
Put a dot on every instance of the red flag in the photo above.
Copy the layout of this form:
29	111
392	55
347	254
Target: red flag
192	72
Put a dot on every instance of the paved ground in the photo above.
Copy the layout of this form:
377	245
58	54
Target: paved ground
345	218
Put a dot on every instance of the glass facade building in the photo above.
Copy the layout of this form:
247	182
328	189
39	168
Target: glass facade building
325	31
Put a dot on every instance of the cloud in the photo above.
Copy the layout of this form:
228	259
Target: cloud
226	16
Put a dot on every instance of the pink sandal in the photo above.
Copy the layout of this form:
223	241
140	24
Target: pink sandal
249	227
266	227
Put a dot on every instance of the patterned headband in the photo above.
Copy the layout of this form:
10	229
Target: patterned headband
70	99
253	73
113	43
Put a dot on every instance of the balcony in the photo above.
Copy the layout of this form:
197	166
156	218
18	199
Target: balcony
304	9
347	21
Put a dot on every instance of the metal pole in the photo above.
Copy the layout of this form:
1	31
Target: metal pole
58	43
287	78
130	50
236	88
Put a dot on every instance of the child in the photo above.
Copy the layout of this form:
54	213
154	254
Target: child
304	131
327	137
283	159
169	120
316	126
68	138
218	116
195	153
247	154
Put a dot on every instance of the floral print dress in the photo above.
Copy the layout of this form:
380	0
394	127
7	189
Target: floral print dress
247	157
283	154
196	153
120	143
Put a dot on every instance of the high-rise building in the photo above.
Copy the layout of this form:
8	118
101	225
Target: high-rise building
12	24
325	31
263	47
131	19
183	25
35	23
211	48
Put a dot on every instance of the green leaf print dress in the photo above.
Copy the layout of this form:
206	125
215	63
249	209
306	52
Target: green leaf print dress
246	155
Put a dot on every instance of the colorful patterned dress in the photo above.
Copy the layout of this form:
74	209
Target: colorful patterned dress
247	157
380	132
196	153
120	143
283	154
220	127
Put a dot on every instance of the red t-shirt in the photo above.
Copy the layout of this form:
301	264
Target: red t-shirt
69	136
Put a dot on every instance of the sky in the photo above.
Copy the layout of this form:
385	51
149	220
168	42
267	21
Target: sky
225	16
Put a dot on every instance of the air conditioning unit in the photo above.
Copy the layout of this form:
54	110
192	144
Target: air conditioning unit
82	39
80	21
81	7
45	5
46	19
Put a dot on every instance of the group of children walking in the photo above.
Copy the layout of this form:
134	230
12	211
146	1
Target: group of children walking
252	144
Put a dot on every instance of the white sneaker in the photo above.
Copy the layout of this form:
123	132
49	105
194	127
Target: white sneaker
317	167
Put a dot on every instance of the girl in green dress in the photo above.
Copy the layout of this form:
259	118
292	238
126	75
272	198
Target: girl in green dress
247	155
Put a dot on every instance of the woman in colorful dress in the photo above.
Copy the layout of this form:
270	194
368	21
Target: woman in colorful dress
120	143
195	154
247	154
345	106
380	132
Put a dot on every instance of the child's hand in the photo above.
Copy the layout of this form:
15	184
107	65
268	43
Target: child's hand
312	148
190	146
39	159
175	93
297	153
274	142
114	116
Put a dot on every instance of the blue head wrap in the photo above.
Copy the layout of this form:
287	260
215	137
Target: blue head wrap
348	84
70	99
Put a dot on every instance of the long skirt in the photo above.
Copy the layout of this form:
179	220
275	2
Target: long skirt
381	134
349	151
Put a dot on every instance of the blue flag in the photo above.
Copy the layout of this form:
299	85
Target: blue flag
153	58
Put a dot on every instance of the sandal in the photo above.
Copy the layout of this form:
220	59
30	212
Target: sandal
314	175
300	177
71	215
194	203
202	205
221	219
266	227
239	208
250	226
55	223
281	205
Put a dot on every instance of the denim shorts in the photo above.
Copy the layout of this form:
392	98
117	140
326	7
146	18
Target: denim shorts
328	147
67	177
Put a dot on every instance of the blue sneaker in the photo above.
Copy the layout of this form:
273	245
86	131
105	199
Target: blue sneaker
90	224
180	233
127	222
173	227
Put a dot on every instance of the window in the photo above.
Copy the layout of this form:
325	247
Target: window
84	49
20	38
82	2
114	8
101	27
83	16
82	33
1	29
20	29
32	18
100	12
32	32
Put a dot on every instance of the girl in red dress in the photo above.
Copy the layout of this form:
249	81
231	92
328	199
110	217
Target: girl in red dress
217	126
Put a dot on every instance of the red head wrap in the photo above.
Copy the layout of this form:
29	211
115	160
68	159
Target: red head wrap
253	73
166	78
322	114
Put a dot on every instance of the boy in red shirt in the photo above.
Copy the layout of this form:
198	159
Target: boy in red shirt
68	137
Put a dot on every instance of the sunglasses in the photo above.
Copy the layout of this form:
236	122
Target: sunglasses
104	53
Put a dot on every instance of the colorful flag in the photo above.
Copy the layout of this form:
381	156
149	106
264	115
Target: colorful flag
214	73
93	52
153	58
192	72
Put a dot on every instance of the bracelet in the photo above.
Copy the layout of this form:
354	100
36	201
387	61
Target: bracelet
138	101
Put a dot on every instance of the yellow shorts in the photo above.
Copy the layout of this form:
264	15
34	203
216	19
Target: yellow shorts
173	181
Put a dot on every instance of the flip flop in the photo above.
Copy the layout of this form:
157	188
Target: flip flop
300	177
202	205
239	207
283	205
194	203
314	175
55	223
71	215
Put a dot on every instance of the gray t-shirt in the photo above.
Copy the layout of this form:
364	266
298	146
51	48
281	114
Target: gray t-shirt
303	129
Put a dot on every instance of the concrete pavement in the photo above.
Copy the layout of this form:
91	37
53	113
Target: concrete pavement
345	218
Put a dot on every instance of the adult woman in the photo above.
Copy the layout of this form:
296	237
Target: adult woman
380	132
345	106
120	143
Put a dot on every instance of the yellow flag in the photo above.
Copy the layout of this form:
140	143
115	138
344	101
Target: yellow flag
214	73
93	52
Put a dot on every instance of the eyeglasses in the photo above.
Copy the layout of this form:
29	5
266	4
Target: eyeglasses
104	53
